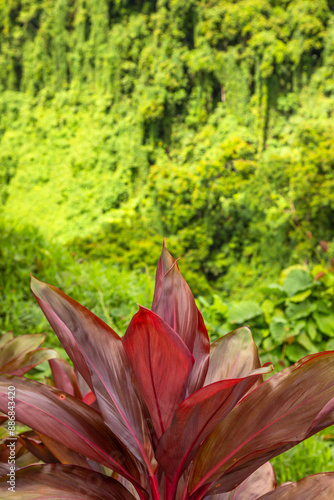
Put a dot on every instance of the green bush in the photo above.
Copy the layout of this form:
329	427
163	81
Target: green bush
24	251
289	319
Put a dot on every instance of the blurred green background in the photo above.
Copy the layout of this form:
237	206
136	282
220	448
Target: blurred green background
207	122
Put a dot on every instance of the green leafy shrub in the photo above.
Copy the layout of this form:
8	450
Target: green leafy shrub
23	251
290	319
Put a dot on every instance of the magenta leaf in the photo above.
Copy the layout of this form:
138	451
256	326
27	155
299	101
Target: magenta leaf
161	364
173	301
68	420
315	487
64	334
196	418
260	482
201	353
68	482
280	413
232	356
101	350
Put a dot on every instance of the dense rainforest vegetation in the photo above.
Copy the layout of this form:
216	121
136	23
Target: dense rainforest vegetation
207	122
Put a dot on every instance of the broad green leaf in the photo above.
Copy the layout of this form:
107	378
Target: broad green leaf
311	329
269	344
295	352
273	289
302	310
243	311
296	281
277	329
325	323
305	342
268	307
299	297
330	345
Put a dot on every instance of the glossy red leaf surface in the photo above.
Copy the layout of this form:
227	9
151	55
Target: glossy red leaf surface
161	364
64	377
277	415
232	356
68	341
67	420
260	482
201	353
315	487
102	350
66	482
173	301
195	419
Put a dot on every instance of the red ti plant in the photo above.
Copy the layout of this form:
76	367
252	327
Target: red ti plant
175	418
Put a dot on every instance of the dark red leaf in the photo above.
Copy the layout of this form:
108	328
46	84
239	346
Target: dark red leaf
275	416
102	350
175	304
67	420
64	377
260	482
66	482
68	341
196	418
161	364
232	356
34	444
315	487
173	300
201	353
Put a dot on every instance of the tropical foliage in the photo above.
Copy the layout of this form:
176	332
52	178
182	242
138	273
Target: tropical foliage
207	122
289	319
207	430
